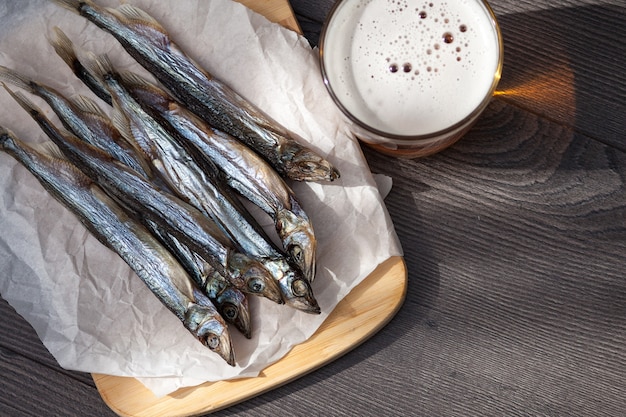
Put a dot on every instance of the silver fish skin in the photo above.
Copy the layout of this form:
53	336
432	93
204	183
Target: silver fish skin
180	171
230	302
176	167
174	215
149	43
82	117
156	267
242	169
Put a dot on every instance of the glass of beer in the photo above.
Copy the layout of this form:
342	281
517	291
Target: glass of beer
412	76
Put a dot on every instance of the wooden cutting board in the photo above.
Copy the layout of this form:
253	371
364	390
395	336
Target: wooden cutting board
363	312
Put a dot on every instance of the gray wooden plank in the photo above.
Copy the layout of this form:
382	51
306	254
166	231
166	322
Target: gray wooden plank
31	381
565	64
516	250
30	389
21	340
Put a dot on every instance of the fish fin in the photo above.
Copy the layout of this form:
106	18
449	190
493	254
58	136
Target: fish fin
126	129
134	16
7	75
130	132
64	47
134	79
87	105
51	149
122	124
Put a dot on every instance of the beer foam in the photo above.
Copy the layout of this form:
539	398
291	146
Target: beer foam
410	67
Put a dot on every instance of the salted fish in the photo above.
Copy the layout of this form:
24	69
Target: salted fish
83	117
108	222
149	43
203	189
241	167
174	215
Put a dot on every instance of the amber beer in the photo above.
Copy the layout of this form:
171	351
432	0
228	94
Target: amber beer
412	76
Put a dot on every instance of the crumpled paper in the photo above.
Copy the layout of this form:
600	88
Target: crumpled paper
86	305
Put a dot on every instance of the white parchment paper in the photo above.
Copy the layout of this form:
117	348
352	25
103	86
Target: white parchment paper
84	302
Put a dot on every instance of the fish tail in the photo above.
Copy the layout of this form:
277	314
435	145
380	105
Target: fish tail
23	101
73	5
64	47
99	66
36	113
66	50
7	75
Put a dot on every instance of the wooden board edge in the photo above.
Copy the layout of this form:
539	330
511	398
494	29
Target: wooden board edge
127	397
278	11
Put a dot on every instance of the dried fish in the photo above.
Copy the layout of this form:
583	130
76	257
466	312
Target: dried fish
84	118
202	190
241	168
172	214
167	280
231	302
149	43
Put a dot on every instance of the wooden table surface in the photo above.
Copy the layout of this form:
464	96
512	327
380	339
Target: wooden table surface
514	239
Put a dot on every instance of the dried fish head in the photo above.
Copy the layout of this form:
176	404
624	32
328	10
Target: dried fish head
251	277
298	240
211	331
303	164
297	293
233	305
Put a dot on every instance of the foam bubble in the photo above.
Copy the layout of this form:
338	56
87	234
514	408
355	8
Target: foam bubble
388	74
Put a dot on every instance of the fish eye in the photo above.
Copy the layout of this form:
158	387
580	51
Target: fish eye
230	311
296	253
256	285
309	166
299	288
213	342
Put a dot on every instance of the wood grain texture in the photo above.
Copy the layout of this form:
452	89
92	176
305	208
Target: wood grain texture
518	244
564	64
31	381
515	243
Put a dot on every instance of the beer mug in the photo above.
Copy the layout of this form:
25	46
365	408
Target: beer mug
412	76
